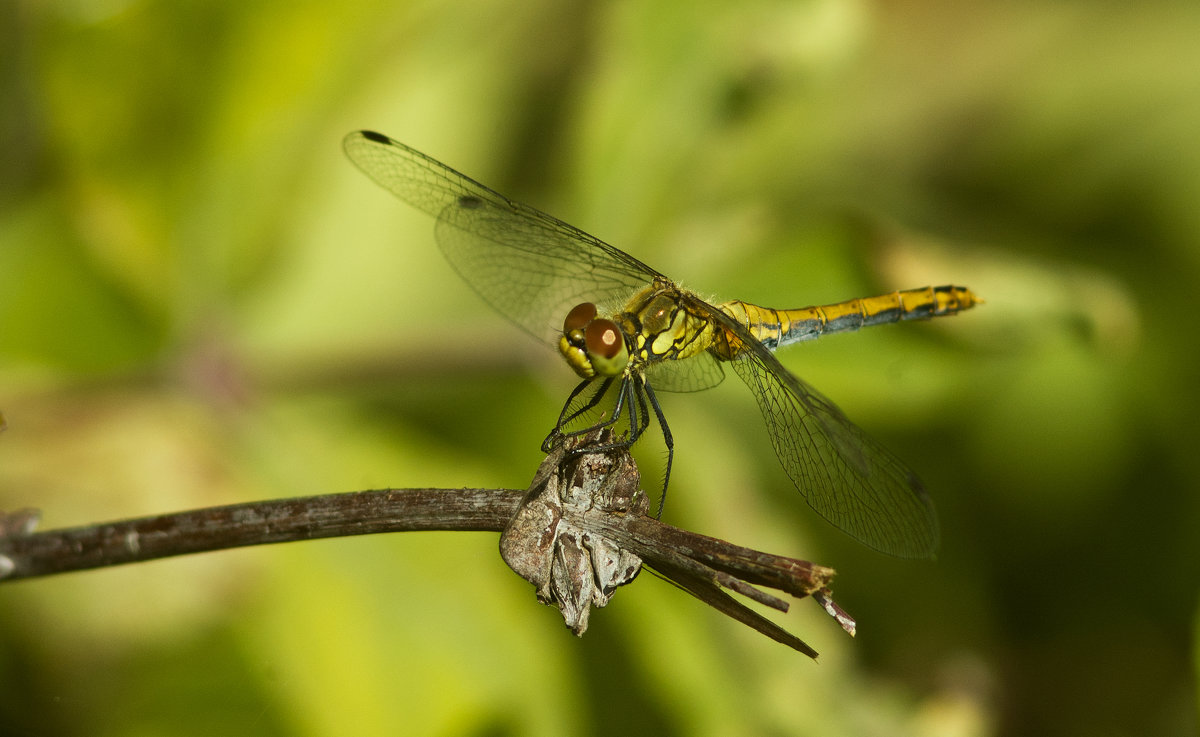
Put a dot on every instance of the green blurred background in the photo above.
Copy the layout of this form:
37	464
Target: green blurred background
203	302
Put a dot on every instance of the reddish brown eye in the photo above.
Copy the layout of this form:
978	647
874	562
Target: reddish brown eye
579	316
604	339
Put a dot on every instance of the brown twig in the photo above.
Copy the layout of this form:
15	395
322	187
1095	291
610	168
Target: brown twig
32	554
579	532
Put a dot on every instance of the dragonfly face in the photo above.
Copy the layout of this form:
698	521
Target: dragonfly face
591	345
628	324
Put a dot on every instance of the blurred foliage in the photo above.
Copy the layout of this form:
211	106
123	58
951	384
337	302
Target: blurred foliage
202	302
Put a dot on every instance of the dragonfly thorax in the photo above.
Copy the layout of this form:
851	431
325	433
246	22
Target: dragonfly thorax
663	324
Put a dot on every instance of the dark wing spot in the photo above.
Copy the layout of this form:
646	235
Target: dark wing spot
376	137
469	202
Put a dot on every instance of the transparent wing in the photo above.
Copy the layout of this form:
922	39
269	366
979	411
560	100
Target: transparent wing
847	477
529	266
690	375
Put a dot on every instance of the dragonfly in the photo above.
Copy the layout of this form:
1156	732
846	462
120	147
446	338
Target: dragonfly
618	322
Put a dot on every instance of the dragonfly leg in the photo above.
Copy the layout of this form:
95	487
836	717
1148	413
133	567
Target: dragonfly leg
638	394
667	439
565	419
637	412
627	394
640	398
622	398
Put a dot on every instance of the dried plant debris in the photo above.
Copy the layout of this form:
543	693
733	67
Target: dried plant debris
582	531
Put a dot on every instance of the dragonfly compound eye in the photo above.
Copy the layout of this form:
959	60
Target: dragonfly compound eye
579	317
606	347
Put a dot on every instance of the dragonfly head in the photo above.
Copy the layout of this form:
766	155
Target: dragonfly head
592	346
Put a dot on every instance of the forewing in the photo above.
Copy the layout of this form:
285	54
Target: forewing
846	476
530	266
